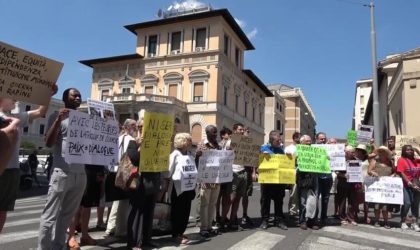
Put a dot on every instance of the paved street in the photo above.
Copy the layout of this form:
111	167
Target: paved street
21	231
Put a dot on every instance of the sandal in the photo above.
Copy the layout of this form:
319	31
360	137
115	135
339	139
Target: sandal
88	241
353	223
344	222
73	244
387	226
184	241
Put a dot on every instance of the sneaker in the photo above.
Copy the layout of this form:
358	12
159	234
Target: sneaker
404	226
415	227
377	224
315	227
205	233
303	226
282	225
247	221
264	224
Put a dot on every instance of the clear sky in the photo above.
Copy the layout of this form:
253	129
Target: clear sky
322	46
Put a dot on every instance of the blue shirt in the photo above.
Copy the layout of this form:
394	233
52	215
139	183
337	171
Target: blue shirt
271	150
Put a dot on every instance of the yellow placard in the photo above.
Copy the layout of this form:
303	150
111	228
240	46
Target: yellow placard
277	176
276	161
156	144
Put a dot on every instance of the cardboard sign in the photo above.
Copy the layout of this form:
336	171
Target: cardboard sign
336	154
313	159
91	140
102	109
386	190
25	76
215	166
189	173
364	134
277	169
352	138
246	151
401	140
354	171
156	144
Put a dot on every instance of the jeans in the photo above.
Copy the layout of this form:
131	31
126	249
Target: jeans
411	200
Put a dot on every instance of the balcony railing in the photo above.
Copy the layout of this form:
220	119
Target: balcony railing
144	98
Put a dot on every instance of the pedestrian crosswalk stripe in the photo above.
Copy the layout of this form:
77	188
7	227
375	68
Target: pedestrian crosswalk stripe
32	199
342	244
372	237
29	206
17	236
30	212
258	240
21	222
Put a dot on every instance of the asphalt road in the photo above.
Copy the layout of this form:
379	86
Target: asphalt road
21	231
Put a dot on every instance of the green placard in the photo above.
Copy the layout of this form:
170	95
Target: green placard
352	138
313	159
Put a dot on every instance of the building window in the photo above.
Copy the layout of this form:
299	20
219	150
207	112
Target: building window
278	106
126	91
281	108
246	109
225	94
362	111
176	42
41	129
226	45
261	119
104	94
200	39
148	90
236	103
196	133
237	57
278	125
152	46
173	90
198	92
28	108
25	130
362	100
253	114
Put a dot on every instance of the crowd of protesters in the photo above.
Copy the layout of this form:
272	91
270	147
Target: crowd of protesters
75	188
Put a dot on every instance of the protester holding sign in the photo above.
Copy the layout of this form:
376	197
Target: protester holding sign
208	191
68	181
307	183
408	167
361	154
377	168
183	173
8	138
9	179
275	192
291	151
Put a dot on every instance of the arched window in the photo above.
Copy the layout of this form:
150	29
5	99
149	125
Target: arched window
198	80
196	133
173	83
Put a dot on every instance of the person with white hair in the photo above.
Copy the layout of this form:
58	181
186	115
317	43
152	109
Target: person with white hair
181	163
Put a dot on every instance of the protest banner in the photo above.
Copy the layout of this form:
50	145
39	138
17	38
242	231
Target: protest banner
91	140
25	76
401	140
156	144
313	159
364	134
354	171
386	190
336	154
352	138
246	150
277	169
188	172
102	109
215	166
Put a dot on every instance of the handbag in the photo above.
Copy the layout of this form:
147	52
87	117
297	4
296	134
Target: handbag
124	179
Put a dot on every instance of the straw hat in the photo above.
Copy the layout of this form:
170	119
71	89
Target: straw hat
383	149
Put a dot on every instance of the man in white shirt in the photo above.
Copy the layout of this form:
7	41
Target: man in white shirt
293	197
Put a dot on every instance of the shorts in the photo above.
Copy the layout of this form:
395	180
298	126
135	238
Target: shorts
9	183
249	182
239	183
94	186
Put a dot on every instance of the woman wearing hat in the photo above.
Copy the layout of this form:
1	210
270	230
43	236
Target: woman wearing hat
382	166
408	168
361	154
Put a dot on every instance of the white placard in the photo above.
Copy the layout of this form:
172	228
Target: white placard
91	140
188	172
354	171
336	154
102	109
364	134
386	190
215	166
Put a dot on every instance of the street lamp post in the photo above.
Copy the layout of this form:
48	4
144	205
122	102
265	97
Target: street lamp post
376	114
